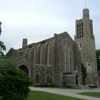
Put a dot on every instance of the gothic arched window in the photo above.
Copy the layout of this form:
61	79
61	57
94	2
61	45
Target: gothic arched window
43	54
37	54
50	53
66	56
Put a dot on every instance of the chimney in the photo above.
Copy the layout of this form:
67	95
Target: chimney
24	43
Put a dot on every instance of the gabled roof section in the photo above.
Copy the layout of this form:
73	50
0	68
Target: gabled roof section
66	34
10	52
49	39
44	41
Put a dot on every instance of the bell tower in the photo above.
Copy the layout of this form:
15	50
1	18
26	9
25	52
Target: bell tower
86	41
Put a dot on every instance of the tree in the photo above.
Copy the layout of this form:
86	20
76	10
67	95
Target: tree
98	59
14	82
0	27
2	48
14	85
84	74
6	63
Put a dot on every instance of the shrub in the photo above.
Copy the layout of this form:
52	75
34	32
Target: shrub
14	84
84	74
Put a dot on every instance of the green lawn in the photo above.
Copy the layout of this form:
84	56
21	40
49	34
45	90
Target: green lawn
37	95
93	94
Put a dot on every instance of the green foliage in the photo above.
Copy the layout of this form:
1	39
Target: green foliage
98	59
14	85
6	63
84	74
2	48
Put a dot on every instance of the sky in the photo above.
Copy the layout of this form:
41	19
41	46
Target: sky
38	20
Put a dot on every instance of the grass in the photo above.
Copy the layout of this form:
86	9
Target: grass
93	94
37	95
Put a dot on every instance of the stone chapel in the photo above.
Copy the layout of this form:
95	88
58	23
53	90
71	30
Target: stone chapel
58	59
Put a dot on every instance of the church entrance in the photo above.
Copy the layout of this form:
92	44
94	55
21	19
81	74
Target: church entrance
24	68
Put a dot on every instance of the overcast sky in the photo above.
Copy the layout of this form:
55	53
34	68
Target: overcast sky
37	20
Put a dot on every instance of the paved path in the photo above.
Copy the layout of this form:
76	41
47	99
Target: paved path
69	92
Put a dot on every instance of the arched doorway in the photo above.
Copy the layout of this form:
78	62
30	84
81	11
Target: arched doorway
24	68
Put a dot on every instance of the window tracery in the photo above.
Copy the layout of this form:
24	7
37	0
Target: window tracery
66	55
50	52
